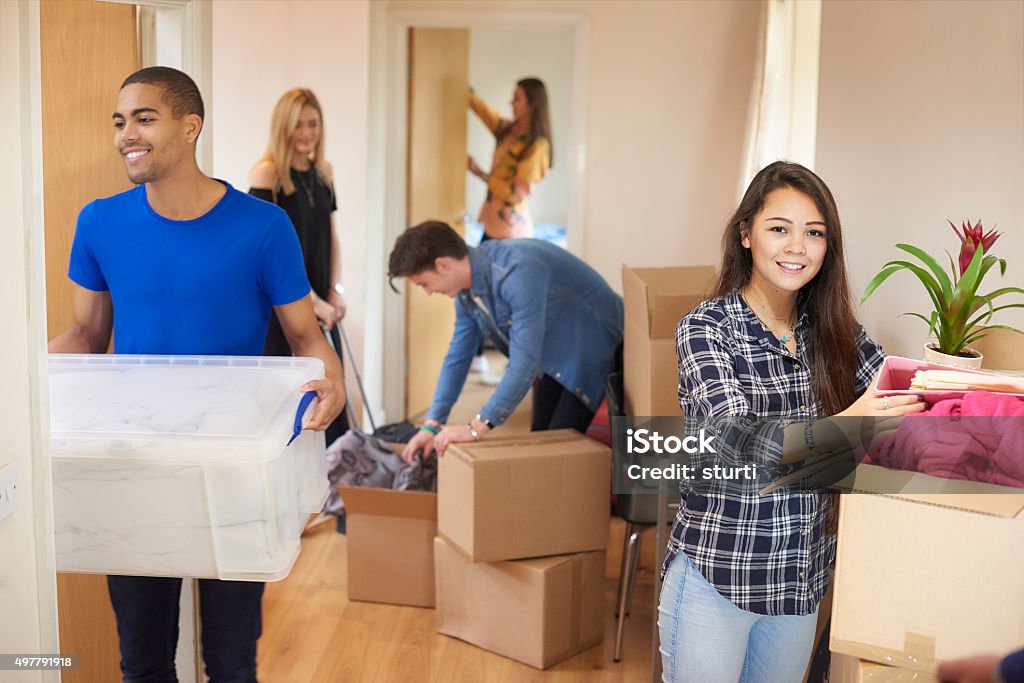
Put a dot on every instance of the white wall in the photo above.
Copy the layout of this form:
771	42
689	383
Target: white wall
262	48
921	118
27	576
498	58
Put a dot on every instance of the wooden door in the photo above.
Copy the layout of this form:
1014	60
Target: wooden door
87	48
438	91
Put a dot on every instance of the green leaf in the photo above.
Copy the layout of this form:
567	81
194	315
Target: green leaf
929	323
952	264
879	279
1004	327
962	304
934	289
933	265
986	264
975	337
1005	290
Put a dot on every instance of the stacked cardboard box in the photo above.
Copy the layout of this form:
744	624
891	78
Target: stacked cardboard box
923	578
655	299
519	561
847	669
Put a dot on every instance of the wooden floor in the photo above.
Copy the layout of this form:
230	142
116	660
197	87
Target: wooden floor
312	633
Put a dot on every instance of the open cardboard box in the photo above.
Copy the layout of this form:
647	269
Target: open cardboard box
390	538
655	299
918	581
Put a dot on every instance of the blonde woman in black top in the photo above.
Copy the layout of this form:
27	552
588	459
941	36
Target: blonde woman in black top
294	174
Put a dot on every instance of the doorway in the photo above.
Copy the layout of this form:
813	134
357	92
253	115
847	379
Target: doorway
391	51
84	50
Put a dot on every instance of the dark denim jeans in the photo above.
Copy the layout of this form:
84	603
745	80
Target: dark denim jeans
147	623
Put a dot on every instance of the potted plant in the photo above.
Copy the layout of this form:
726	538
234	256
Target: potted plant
961	315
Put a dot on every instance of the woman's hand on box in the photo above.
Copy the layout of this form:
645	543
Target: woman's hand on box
869	404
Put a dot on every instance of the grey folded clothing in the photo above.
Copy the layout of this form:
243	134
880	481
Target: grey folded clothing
419	475
356	459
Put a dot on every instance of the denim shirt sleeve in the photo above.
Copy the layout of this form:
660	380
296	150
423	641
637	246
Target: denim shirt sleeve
525	289
463	346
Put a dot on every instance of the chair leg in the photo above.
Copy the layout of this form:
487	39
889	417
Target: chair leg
623	567
629	555
634	545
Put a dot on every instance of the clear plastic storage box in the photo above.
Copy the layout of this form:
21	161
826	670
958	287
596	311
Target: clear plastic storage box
178	465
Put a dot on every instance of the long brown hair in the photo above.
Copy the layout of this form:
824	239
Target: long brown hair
540	119
283	123
833	325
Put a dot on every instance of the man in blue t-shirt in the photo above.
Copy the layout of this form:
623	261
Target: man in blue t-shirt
186	264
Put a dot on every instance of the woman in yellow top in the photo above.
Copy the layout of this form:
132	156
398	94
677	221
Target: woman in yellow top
522	157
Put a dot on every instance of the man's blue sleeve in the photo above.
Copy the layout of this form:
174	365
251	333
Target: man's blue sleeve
282	270
463	346
83	268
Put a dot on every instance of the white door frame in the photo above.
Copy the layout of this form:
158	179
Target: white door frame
192	21
385	319
22	211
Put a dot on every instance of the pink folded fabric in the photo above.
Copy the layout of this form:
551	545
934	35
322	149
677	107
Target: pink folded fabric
976	438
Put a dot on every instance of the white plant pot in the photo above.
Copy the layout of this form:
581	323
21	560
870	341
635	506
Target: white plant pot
972	362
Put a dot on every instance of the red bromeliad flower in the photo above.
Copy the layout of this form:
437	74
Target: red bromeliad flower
969	241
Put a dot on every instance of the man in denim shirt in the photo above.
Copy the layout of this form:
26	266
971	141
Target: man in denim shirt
555	318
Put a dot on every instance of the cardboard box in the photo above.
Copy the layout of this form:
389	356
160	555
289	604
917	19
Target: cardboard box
538	611
543	493
919	581
655	299
390	536
846	669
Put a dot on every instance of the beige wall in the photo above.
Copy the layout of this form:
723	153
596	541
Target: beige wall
497	59
27	578
262	48
668	88
921	118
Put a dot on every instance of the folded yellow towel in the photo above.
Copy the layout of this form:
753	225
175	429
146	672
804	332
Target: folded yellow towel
961	380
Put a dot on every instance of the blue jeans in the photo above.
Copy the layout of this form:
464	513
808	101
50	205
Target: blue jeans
706	638
146	608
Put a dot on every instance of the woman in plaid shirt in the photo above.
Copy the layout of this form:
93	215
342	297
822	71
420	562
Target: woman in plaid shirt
776	347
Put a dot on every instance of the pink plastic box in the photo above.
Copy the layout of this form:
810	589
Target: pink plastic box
897	373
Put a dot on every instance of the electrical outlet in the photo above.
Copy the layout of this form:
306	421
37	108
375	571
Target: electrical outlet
8	489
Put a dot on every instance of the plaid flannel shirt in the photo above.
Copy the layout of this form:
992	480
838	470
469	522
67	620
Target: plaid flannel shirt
767	554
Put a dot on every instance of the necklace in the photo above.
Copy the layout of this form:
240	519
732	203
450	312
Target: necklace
789	331
308	189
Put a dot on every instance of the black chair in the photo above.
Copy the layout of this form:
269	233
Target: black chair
640	512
